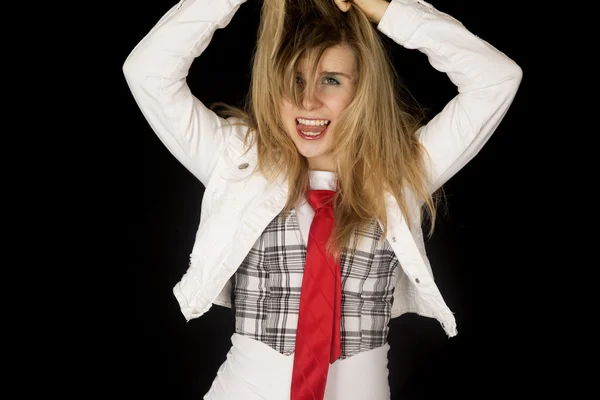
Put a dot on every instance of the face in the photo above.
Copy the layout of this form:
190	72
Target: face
312	126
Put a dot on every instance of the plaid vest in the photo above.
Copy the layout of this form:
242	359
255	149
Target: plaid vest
266	288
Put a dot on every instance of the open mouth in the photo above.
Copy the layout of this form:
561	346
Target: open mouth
312	129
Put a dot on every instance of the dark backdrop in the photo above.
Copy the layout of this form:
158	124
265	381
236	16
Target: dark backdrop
162	356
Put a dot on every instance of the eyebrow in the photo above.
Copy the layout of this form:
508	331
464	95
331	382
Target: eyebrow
333	73
336	73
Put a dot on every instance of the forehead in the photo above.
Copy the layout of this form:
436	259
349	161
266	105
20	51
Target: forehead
339	58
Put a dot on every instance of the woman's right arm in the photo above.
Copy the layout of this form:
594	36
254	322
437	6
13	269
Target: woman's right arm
156	72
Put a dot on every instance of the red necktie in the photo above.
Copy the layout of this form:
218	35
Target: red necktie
318	333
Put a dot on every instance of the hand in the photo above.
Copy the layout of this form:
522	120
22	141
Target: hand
373	9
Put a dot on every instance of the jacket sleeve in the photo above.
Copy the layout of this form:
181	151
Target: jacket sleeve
156	72
486	79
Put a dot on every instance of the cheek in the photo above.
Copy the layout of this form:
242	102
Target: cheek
339	102
287	112
288	119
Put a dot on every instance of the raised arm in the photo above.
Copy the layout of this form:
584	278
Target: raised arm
156	72
487	80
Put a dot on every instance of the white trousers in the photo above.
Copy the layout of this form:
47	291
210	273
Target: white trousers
255	371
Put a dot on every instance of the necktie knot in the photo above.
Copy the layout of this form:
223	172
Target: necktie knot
321	198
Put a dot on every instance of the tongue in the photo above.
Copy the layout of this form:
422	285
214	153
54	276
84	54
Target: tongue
312	128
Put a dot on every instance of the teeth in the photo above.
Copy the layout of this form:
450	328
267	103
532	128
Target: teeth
313	122
311	133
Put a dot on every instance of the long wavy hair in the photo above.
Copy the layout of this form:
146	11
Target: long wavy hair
376	147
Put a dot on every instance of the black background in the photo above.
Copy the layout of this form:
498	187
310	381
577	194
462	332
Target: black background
155	354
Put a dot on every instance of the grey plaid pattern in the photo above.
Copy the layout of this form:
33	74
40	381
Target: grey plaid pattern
266	291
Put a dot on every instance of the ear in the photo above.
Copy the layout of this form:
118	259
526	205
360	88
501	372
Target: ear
343	5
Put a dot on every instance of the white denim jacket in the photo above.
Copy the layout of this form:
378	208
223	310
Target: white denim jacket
237	205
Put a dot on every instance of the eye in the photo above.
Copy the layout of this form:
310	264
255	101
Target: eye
299	80
328	80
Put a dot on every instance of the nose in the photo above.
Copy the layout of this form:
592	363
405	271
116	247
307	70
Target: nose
310	101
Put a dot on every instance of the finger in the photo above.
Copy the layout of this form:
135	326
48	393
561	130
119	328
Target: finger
343	5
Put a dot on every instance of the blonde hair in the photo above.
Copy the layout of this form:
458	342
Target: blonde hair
376	147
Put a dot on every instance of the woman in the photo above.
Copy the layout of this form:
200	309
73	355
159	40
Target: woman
324	117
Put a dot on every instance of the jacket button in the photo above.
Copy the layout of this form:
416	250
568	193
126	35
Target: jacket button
417	280
243	166
394	239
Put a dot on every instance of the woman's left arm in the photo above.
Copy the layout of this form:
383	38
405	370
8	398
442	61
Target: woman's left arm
487	80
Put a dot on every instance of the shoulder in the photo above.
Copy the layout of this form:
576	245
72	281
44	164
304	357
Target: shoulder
241	139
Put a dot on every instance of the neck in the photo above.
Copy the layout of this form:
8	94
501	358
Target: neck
321	164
